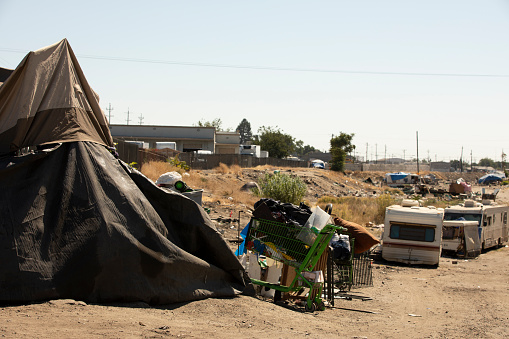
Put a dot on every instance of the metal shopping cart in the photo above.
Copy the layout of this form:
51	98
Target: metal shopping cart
295	246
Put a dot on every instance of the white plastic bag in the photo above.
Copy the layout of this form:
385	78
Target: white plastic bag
168	179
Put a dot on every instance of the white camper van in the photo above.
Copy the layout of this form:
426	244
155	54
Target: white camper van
491	219
412	234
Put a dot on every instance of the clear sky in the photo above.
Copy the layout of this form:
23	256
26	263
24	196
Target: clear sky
382	70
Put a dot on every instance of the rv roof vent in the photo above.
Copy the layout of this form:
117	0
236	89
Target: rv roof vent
486	202
469	203
409	203
432	207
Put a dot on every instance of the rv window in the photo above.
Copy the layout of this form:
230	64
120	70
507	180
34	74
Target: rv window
467	217
505	218
487	221
412	232
450	232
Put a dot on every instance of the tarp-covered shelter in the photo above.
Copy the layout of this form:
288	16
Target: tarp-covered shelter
75	221
491	178
401	178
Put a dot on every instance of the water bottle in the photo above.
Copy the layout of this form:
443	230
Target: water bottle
181	186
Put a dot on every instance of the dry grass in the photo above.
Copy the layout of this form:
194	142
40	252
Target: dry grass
225	169
226	190
154	169
359	210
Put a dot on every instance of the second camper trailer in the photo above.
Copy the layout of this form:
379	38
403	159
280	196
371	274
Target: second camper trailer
412	234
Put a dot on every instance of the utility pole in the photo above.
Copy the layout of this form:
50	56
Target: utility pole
503	160
366	153
109	109
385	154
461	160
404	160
127	120
140	118
471	167
376	153
417	137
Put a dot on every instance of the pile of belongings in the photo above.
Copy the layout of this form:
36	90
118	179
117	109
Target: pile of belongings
363	239
295	218
460	186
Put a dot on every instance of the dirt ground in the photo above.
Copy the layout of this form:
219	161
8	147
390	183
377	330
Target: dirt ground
458	299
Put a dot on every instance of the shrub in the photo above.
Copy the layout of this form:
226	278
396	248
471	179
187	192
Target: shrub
282	187
178	163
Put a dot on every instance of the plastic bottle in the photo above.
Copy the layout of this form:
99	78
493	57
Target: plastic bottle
181	186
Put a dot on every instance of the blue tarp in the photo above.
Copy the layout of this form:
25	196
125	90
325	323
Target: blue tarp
489	178
242	248
398	176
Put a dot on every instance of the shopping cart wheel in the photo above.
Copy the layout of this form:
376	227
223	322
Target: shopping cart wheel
309	308
321	306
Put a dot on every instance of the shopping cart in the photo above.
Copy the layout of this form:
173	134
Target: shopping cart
295	246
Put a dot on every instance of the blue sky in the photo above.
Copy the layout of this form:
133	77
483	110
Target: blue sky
382	70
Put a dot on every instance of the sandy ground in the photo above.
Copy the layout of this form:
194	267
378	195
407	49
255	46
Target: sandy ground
459	299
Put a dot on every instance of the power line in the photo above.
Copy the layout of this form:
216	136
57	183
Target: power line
271	68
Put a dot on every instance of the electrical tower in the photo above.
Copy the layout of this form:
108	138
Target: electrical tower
109	109
127	120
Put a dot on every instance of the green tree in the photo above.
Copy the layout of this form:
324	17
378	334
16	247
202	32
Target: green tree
217	123
487	162
244	129
340	146
301	150
273	140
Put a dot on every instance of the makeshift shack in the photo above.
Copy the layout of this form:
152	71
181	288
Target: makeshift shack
76	222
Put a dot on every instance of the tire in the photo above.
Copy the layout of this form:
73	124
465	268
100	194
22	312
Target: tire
321	306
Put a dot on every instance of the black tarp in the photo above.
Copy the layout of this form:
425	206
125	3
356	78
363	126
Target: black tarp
75	222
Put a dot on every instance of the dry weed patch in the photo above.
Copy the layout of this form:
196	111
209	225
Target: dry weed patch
225	169
359	210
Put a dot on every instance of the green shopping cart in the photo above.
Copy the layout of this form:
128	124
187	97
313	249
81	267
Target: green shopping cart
297	247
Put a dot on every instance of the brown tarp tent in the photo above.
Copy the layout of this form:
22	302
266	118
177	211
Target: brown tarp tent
75	221
47	99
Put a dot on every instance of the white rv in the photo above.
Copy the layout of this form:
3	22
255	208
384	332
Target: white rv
491	219
412	234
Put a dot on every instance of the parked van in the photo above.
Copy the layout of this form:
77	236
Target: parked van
412	234
491	220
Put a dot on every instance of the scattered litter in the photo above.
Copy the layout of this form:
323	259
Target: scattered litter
414	315
355	310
